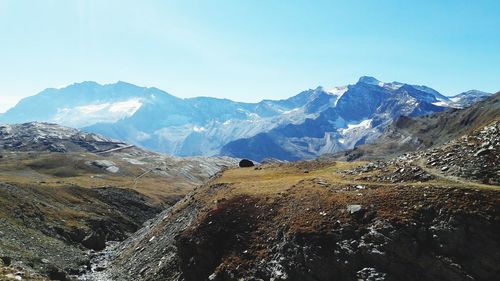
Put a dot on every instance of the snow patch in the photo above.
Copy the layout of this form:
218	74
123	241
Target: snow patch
128	108
199	129
292	111
441	103
253	115
81	116
392	86
337	91
365	124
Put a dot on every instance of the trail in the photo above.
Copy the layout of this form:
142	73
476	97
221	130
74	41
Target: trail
420	163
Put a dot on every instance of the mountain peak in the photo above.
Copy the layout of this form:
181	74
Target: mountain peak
83	84
368	80
123	83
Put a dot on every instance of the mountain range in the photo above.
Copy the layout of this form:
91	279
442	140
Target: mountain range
304	126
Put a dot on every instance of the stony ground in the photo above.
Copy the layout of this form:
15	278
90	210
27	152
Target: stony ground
53	230
475	156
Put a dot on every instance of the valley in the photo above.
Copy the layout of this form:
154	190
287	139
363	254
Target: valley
66	194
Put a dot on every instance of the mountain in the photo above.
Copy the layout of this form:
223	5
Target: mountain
408	134
150	117
468	98
359	115
339	118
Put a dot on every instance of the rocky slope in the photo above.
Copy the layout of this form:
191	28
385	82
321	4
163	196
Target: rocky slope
65	194
51	230
322	220
475	156
338	118
46	150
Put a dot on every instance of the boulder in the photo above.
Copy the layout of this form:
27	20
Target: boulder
354	208
246	163
56	273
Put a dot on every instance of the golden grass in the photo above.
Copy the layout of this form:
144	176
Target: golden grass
276	179
61	170
272	180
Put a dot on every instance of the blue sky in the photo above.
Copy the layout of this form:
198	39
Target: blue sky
247	50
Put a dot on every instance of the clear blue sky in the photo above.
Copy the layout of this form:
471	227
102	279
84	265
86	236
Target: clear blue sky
247	50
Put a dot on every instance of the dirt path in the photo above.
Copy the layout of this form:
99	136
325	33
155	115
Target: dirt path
420	163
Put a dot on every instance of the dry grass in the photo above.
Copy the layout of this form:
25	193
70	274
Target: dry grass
255	204
60	170
277	178
305	195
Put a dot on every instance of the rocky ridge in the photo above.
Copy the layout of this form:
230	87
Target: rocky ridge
38	136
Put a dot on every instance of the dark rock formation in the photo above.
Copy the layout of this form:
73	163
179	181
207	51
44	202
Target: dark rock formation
244	163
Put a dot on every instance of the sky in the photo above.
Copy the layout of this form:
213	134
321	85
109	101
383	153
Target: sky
247	50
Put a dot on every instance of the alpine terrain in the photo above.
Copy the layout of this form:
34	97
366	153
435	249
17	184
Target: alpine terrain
249	140
416	195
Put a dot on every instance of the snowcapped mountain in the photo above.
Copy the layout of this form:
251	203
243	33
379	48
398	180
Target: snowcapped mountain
357	116
81	104
306	125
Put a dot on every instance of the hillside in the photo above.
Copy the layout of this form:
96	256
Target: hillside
403	219
66	194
